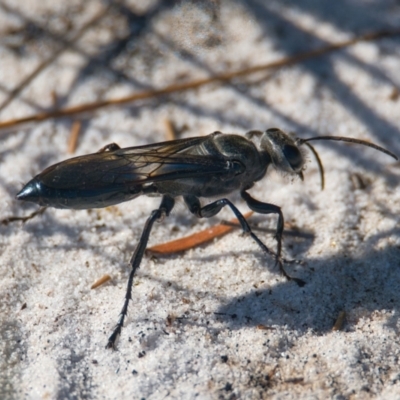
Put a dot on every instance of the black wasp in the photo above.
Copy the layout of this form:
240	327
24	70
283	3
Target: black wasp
210	166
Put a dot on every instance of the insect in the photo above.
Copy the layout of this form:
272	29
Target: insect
209	166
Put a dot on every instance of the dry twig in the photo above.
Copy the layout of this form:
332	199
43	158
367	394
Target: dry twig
105	278
197	239
180	87
74	135
42	66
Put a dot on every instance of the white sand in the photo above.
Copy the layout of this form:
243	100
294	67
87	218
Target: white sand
218	321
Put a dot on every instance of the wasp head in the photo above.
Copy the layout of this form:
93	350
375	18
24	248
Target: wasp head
283	150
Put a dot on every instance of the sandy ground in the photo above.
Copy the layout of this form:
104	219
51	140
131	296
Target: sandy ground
218	321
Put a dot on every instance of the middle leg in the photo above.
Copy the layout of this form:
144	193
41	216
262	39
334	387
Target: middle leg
215	207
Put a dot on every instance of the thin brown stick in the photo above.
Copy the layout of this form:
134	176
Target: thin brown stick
170	131
6	221
265	327
73	137
197	239
43	65
338	326
180	87
101	281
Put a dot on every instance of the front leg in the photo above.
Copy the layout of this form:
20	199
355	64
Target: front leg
266	208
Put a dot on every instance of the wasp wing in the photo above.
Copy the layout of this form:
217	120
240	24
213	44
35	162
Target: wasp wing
132	166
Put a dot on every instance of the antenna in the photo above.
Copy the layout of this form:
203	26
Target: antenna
339	139
350	140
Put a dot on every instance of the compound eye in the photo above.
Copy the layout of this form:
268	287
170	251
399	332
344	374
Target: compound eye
293	156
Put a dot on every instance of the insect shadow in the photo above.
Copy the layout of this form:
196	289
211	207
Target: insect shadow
211	166
354	284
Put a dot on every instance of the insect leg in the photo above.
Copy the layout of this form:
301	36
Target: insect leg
109	147
6	221
167	204
266	208
214	208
